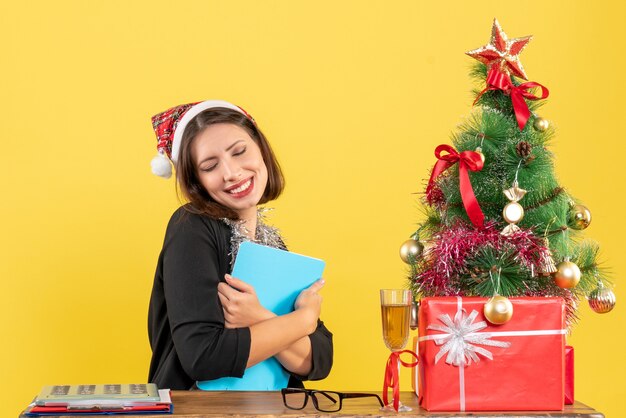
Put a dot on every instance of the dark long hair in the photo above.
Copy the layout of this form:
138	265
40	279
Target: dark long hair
187	173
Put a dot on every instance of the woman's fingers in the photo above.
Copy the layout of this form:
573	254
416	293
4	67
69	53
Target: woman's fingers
222	288
317	286
228	317
228	321
227	291
224	301
239	284
240	303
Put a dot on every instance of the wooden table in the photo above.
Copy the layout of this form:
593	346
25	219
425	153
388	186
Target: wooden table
196	404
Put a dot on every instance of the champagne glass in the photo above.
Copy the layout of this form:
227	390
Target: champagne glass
395	306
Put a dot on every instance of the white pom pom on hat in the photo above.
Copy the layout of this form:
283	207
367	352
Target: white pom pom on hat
161	166
169	127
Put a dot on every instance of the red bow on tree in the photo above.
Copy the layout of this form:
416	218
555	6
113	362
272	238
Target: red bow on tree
498	80
468	160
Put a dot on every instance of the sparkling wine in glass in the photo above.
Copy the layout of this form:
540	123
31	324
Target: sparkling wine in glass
395	307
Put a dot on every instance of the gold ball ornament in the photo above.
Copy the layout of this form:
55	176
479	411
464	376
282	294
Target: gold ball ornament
601	300
410	250
513	212
479	151
579	217
567	275
541	124
498	310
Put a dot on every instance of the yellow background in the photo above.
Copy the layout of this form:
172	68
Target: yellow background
354	97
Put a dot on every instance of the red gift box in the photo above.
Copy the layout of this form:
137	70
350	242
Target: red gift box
526	368
569	375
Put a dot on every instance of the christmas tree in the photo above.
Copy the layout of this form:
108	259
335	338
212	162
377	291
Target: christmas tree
497	220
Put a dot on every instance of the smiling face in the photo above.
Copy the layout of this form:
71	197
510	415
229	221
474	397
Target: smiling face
230	167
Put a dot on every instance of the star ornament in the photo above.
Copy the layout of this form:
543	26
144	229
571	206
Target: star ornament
502	52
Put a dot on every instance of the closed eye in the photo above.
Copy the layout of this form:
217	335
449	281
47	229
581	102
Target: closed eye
238	152
207	169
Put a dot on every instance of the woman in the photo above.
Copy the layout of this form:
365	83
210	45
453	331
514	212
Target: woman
204	324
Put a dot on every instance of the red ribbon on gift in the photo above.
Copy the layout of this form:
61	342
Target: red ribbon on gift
498	80
392	378
468	160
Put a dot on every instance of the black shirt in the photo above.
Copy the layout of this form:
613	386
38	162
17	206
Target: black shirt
185	319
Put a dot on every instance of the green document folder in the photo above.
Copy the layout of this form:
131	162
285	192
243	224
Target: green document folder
278	277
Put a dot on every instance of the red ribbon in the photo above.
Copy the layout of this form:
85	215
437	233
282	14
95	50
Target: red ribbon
468	160
392	378
498	80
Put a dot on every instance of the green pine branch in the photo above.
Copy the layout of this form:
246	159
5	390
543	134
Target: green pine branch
490	272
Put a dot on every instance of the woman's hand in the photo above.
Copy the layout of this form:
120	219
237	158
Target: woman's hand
240	304
310	300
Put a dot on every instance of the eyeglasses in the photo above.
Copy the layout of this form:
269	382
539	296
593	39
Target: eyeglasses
323	400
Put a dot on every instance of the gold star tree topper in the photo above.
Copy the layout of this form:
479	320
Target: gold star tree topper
502	52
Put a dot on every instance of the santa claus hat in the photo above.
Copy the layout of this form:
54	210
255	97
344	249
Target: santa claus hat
169	127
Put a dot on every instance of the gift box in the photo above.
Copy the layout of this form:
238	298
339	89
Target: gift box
569	375
469	364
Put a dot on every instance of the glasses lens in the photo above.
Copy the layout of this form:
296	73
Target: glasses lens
295	400
327	401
